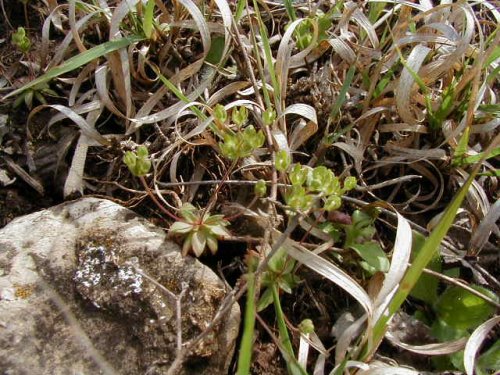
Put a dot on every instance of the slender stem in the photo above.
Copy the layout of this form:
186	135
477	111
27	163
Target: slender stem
213	199
155	200
234	217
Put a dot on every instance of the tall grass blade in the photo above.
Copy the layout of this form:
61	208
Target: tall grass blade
78	61
245	355
425	255
147	22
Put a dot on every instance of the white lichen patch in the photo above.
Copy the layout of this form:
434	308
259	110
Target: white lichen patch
92	263
100	274
129	276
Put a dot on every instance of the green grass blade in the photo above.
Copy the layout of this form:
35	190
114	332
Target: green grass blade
343	92
268	54
245	355
425	255
291	362
79	60
147	22
290	10
239	10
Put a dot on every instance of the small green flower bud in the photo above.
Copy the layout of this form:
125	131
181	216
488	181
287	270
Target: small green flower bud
298	174
220	113
306	326
269	116
130	159
283	160
350	183
240	115
260	188
333	202
142	152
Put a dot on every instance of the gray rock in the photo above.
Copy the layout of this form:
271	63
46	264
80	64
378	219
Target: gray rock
76	296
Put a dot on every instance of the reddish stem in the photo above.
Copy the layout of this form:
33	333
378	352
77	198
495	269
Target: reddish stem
155	200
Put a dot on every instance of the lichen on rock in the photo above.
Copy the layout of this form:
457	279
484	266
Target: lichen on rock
102	259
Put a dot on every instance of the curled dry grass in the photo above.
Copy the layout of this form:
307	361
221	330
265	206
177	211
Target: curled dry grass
401	95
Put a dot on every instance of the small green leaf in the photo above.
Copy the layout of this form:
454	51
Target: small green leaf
278	261
283	160
180	227
147	22
214	55
269	116
350	183
198	242
372	253
138	162
333	202
218	230
20	40
212	244
461	309
130	159
265	299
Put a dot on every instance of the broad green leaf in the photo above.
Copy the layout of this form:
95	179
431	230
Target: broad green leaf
426	254
180	227
490	360
461	309
216	50
372	253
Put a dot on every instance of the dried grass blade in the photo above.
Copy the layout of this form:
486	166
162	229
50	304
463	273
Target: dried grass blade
86	129
475	341
379	368
304	110
73	26
343	49
74	181
331	272
283	57
406	83
365	24
487	225
399	262
442	348
102	90
52	18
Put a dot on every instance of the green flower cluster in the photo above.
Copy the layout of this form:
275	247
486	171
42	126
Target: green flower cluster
310	184
21	40
244	140
138	162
